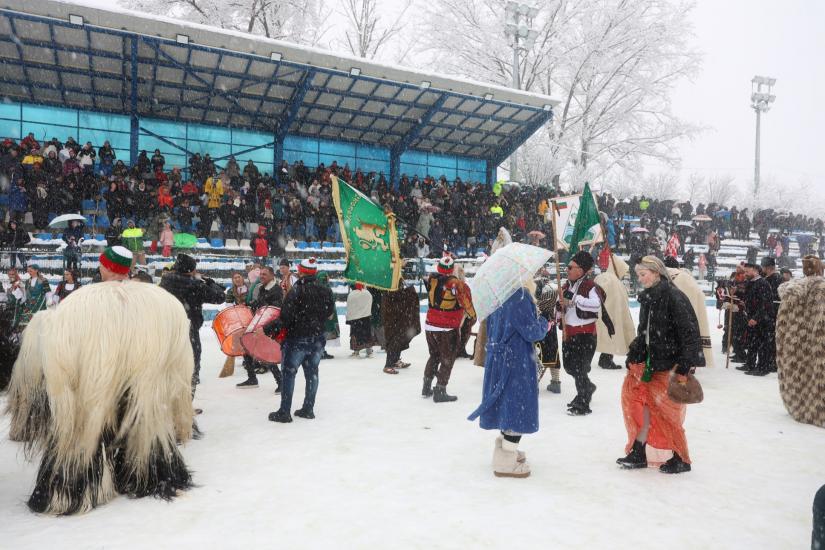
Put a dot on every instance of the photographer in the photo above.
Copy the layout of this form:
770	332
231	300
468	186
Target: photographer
193	290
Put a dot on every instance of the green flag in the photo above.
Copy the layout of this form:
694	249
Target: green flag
370	238
586	217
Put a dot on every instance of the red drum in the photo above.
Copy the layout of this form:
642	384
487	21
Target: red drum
229	325
256	343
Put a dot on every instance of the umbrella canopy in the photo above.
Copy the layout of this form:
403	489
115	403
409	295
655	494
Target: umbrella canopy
503	274
684	224
702	218
638	230
61	222
185	240
536	234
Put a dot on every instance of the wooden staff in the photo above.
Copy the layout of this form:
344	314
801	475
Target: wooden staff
558	272
730	331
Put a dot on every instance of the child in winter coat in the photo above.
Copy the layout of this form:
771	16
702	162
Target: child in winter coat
167	240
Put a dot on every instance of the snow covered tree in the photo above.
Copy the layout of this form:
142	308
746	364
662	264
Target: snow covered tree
367	34
299	21
612	63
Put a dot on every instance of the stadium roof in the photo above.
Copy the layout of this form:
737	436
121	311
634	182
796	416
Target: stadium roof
125	62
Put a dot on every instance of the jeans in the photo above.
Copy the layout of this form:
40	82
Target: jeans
577	353
306	353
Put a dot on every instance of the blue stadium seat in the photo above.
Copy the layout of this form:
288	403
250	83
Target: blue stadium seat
88	205
87	236
314	245
216	243
301	245
461	252
43	236
202	240
100	237
327	244
339	245
103	222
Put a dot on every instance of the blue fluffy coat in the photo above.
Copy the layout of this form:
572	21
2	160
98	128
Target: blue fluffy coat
510	394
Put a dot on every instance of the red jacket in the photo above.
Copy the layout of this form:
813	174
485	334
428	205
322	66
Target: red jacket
449	298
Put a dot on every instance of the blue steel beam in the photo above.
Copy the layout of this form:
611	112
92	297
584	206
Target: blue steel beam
57	63
244	151
291	113
509	147
422	123
166	141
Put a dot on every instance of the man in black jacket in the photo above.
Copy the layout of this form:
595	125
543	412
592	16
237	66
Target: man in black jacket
774	280
760	322
307	306
193	290
266	292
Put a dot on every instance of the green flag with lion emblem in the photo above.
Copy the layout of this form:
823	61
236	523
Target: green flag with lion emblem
370	238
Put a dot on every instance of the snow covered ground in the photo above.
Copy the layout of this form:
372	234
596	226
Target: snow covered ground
381	467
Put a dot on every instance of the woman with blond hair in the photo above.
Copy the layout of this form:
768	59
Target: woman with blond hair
667	339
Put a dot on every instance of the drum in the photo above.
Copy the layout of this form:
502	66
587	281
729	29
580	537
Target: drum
256	343
229	325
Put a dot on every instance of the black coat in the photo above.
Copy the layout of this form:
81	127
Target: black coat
193	293
674	330
262	297
759	302
306	308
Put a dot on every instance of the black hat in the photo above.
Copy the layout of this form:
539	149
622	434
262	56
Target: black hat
767	261
583	259
749	264
284	262
185	263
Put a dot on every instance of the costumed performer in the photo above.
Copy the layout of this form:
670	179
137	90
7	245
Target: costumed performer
402	322
667	339
617	305
800	344
684	281
106	413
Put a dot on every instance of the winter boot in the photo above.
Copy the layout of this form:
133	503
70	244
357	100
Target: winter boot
427	390
280	416
369	352
579	410
327	355
554	386
606	362
251	382
355	353
636	458
505	461
440	395
675	465
521	457
305	413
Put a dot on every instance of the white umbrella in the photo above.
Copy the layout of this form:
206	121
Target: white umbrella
503	274
61	222
639	230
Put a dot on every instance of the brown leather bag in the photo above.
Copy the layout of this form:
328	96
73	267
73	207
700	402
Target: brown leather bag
685	393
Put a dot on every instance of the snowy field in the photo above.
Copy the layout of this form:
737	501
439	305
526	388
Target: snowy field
381	467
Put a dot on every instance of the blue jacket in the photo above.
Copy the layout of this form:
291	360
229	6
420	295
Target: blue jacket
510	396
18	201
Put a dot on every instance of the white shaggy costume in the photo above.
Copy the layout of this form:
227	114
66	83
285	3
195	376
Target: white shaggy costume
105	406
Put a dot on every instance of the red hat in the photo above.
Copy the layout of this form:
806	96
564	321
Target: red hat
308	266
446	265
359	286
116	259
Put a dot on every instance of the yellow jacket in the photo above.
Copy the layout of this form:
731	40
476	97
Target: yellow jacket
214	189
496	209
31	160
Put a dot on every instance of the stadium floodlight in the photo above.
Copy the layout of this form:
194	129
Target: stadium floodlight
182	39
275	56
426	84
761	101
488	96
76	20
518	27
355	71
547	107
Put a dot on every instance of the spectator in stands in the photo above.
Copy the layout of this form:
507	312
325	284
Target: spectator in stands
18	201
251	172
29	142
260	244
16	239
73	237
86	158
157	161
214	190
113	232
167	240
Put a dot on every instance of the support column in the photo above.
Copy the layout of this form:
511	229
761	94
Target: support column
395	170
134	127
490	172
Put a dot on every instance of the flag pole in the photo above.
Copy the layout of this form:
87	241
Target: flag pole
558	270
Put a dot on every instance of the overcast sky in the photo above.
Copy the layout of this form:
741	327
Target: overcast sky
743	38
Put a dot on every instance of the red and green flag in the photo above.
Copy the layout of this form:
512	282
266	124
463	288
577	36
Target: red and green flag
586	218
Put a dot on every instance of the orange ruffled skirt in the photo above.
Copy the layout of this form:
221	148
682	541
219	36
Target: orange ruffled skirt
666	416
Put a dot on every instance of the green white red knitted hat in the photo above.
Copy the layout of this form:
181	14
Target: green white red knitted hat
116	259
308	266
446	265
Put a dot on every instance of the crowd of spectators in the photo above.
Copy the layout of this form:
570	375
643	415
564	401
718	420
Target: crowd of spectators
296	203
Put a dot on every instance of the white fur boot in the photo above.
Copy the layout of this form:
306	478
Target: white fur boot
505	461
521	456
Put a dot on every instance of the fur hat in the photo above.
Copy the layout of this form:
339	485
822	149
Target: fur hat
116	259
446	265
185	263
308	266
811	266
583	259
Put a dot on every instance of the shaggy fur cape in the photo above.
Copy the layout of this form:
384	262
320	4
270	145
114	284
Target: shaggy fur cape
618	307
800	349
104	406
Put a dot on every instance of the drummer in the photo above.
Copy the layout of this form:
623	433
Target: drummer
264	292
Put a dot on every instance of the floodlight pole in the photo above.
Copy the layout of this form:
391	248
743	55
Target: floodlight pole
518	23
517	86
761	103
